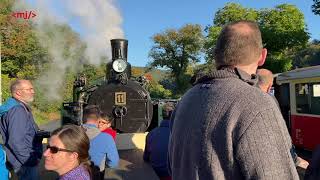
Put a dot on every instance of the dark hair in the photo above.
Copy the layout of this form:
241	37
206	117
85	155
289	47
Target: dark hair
167	109
106	117
239	43
74	138
91	111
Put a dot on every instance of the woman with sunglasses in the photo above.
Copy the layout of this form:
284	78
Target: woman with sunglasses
67	153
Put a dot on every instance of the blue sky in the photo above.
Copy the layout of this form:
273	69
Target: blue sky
144	18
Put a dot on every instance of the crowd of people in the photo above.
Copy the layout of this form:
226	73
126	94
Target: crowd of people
74	152
227	126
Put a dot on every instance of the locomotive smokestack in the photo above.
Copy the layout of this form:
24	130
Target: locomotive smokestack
119	69
119	49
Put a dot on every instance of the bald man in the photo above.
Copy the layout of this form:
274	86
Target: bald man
19	131
219	128
265	80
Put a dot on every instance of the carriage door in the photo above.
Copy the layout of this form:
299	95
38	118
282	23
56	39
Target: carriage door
306	117
282	93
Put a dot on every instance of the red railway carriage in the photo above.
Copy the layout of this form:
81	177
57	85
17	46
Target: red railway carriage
298	93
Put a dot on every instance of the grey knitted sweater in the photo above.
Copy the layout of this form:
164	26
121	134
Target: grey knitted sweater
225	128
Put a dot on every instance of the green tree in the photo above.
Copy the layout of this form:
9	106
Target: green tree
157	90
175	50
230	13
309	56
234	12
283	31
22	55
316	7
137	71
283	28
5	84
94	72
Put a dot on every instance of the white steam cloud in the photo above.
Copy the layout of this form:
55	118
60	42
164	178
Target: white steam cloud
98	20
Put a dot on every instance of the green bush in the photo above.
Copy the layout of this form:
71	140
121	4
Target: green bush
39	117
5	87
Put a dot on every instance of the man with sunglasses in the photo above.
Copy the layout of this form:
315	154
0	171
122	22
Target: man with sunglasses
19	131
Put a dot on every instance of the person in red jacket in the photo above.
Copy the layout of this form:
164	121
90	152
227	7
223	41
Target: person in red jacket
105	125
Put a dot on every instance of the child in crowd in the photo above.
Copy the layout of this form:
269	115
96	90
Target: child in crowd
105	125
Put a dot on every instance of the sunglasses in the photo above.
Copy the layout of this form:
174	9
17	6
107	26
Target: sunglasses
54	149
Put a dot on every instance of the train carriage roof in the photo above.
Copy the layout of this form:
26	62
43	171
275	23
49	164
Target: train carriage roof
301	73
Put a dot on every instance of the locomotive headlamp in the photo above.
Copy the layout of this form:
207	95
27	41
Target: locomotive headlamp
119	65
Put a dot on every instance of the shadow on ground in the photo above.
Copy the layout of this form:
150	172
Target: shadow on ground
131	166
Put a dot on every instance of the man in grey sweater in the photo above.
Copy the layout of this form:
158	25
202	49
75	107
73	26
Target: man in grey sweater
225	127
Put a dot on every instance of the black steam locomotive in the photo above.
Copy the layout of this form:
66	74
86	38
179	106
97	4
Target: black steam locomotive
119	95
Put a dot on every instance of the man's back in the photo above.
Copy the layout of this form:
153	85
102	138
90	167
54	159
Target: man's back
225	128
103	150
156	149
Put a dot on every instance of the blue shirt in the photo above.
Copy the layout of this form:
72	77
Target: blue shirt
156	149
103	151
4	173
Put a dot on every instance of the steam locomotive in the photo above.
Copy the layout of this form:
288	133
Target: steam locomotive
118	94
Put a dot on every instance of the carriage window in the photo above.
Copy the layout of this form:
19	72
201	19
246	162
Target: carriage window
308	98
316	90
315	98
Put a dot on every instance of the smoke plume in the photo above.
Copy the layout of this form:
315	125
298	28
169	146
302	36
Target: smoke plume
97	22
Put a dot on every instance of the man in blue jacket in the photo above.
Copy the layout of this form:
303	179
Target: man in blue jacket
18	130
156	149
103	151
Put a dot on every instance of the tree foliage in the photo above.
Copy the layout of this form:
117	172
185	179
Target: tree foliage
316	7
22	54
5	84
176	49
234	12
157	90
136	72
309	56
230	13
283	28
283	31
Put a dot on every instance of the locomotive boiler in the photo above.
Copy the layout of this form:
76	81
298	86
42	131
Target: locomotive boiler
124	98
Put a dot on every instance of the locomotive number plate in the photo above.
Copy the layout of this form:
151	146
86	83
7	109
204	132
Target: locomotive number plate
120	98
